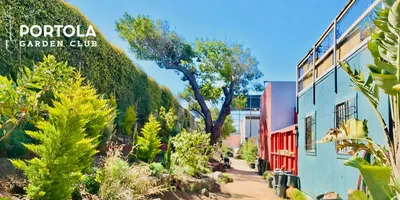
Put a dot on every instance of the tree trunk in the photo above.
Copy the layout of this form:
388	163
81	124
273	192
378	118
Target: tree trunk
224	112
210	127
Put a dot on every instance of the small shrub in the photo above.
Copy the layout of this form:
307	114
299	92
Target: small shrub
121	181
227	178
250	151
295	194
149	144
133	154
192	150
267	175
91	182
106	134
167	156
129	119
156	169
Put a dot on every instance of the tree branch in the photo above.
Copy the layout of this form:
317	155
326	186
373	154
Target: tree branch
198	112
225	110
196	90
13	127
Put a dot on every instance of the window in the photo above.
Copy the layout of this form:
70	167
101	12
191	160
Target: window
310	136
343	112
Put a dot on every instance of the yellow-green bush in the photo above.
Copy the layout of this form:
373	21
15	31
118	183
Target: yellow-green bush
67	138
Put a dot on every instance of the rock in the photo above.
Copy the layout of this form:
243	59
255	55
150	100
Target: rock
217	175
205	192
331	195
212	195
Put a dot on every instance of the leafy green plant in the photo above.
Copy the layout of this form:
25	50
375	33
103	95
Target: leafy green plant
167	119
28	97
129	119
91	181
167	156
156	169
133	154
121	181
192	150
267	175
224	179
149	144
381	176
67	141
295	194
250	151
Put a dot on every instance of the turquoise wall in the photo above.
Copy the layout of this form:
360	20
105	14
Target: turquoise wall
324	171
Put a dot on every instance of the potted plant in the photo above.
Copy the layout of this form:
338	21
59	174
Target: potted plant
269	177
252	165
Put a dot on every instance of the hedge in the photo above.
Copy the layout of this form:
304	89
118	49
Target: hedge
107	67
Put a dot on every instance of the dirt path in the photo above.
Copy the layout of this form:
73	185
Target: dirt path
247	184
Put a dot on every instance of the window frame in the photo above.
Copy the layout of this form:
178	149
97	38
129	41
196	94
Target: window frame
310	134
347	109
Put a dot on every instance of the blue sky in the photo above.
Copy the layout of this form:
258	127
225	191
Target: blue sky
279	33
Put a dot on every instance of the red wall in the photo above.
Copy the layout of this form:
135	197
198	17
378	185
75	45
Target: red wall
265	121
283	149
272	145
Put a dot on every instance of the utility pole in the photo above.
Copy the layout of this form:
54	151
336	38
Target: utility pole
250	115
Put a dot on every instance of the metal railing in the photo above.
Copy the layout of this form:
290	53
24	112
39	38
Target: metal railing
349	28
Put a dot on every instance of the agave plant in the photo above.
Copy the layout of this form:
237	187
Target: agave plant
382	177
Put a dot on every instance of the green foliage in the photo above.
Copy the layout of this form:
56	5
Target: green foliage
133	154
377	178
192	150
267	175
107	132
224	179
121	181
67	141
249	151
91	181
129	119
167	156
107	67
12	146
216	71
239	102
29	97
227	128
149	144
168	121
156	169
296	194
358	195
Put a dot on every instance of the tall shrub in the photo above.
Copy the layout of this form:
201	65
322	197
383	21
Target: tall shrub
167	156
130	119
149	144
250	151
192	150
66	141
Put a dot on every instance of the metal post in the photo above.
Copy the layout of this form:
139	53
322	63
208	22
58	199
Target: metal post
334	52
313	75
250	116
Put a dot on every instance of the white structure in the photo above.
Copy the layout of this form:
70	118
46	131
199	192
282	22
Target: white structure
249	127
